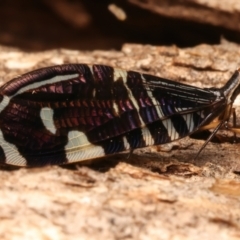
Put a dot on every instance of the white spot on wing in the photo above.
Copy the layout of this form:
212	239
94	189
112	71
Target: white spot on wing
13	157
76	139
46	115
80	149
119	73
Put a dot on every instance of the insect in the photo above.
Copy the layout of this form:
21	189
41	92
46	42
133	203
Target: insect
75	112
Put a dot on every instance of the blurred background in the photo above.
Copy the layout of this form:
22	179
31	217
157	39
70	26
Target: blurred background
103	24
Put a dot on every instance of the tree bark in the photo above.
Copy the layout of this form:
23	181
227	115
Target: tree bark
157	193
222	13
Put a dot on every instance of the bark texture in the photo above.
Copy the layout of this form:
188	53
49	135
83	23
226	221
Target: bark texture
157	193
224	13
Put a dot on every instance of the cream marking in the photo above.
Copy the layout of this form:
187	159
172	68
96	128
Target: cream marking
189	122
155	103
6	99
86	153
167	122
147	136
115	107
160	112
76	139
4	103
91	69
55	79
80	149
172	133
182	109
126	143
46	115
135	104
119	73
13	157
123	74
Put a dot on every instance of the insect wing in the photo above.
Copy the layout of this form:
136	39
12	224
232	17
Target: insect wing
75	112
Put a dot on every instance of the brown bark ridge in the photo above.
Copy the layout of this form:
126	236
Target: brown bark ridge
224	13
157	193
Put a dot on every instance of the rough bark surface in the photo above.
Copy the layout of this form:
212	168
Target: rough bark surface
224	13
157	193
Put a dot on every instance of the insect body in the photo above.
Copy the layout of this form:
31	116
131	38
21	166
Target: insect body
75	112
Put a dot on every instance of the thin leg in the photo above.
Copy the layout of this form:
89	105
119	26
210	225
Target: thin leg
130	153
234	124
209	139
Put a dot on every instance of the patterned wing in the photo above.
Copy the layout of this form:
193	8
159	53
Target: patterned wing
75	112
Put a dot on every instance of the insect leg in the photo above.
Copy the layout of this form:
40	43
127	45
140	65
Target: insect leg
209	138
234	124
130	153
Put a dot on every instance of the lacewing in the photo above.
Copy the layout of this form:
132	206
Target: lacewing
75	112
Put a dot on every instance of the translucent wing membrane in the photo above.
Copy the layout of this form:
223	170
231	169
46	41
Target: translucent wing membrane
75	112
